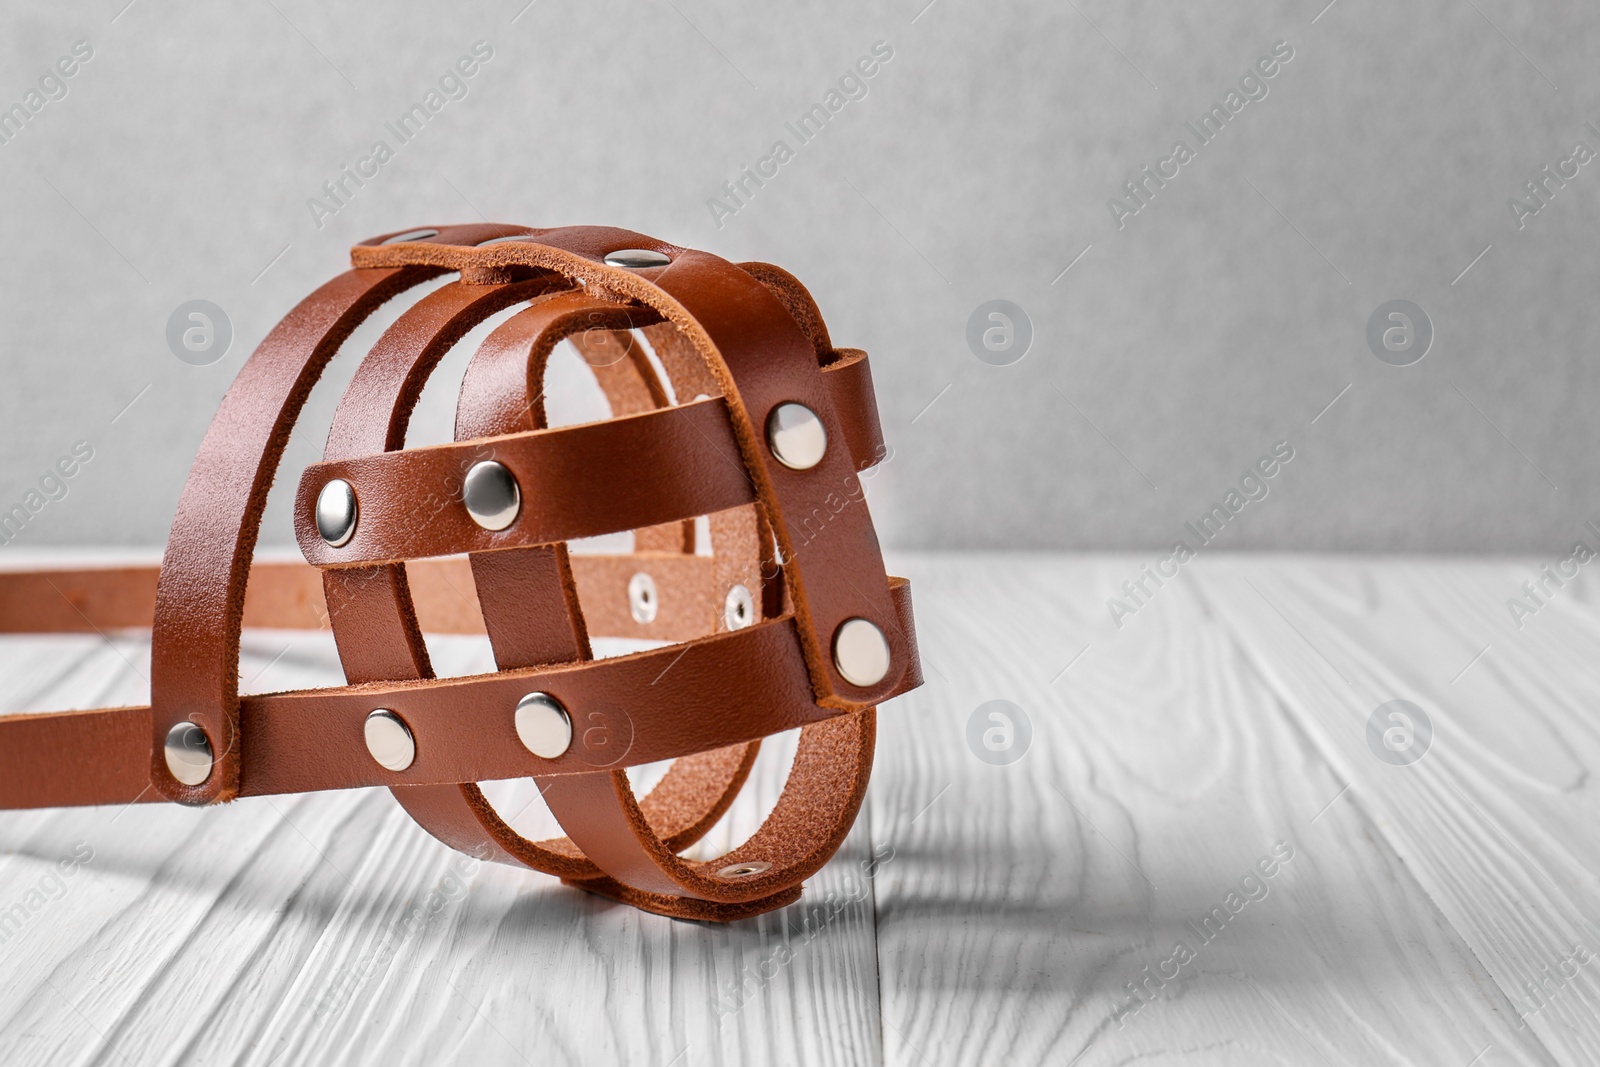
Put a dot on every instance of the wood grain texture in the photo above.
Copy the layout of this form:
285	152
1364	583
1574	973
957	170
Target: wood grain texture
979	913
1498	819
1161	769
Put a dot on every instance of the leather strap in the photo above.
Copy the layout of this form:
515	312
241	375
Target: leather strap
731	343
672	463
195	635
312	739
288	596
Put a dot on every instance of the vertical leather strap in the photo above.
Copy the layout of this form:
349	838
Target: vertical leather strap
529	602
370	607
200	599
834	759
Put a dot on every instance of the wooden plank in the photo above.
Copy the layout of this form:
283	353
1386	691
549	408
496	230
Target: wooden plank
1023	899
1498	818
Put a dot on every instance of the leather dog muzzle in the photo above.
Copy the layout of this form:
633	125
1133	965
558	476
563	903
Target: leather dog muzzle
734	407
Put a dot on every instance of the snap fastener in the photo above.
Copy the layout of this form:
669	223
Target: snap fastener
796	436
636	258
642	598
336	512
739	609
543	726
744	870
491	495
860	652
389	740
188	753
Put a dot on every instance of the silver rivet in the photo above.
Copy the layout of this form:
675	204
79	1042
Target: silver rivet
389	740
636	258
745	870
642	600
543	726
739	609
491	495
188	753
861	652
410	235
336	512
796	436
508	237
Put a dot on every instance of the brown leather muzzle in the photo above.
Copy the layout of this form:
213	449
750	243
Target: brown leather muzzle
785	620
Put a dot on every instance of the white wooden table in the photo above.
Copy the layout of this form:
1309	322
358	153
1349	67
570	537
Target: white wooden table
1442	911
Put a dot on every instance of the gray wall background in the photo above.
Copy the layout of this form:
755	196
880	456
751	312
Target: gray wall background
1221	319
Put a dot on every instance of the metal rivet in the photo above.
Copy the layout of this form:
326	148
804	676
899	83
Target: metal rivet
796	436
491	495
508	237
860	652
389	740
336	512
411	235
637	258
642	600
745	870
188	753
739	609
543	725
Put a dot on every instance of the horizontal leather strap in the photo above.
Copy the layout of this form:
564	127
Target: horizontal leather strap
575	481
702	695
578	481
43	758
288	595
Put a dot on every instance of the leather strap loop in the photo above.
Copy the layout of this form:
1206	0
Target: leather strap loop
195	639
195	629
698	788
502	391
601	816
